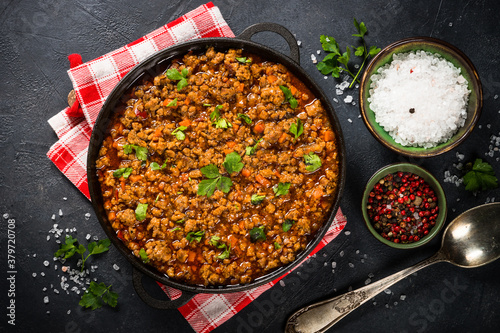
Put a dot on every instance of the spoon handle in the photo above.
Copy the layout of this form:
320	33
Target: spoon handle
319	317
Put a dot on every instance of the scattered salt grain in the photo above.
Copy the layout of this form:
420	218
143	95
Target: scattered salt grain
44	289
60	212
42	274
374	303
368	281
347	233
282	283
87	216
387	291
34	274
56	291
357	252
46	263
69	311
351	265
335	100
88	237
495	97
318	51
341	253
48	238
46	299
348	99
5	216
349	120
402	297
334	264
339	92
419	98
64	198
299	43
313	58
450	24
395	303
53	217
325	77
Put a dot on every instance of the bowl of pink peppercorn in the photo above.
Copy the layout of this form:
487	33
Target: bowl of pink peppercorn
404	206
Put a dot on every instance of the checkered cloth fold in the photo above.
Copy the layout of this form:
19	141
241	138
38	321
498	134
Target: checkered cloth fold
92	82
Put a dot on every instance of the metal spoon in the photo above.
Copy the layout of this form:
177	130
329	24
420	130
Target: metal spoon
470	240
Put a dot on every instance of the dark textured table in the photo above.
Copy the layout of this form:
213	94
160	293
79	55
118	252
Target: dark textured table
36	38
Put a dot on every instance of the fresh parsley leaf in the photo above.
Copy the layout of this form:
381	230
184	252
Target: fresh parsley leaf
140	152
297	128
243	60
210	171
99	247
214	241
224	184
71	246
277	246
281	189
373	51
181	84
140	212
329	44
144	255
312	161
232	163
123	172
360	51
361	27
154	166
480	176
97	294
287	225
215	115
178	133
222	123
257	199
207	187
180	221
225	253
67	249
245	118
195	236
289	97
207	104
175	229
173	103
257	234
250	150
175	75
344	58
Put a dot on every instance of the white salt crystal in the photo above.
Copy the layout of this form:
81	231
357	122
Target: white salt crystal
53	216
351	265
341	253
334	264
347	233
313	58
299	43
60	212
318	51
64	198
69	311
402	297
46	263
46	299
348	99
368	281
349	120
6	216
387	291
282	283
335	100
87	216
34	274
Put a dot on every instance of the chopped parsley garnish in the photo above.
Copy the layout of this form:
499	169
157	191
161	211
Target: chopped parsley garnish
179	133
140	212
175	75
123	172
480	176
281	189
289	97
250	150
245	118
180	221
140	152
257	199
225	253
312	161
277	246
257	234
243	60
173	103
144	255
217	120
157	198
207	104
233	163
97	294
214	241
288	224
156	166
296	128
195	236
207	187
175	229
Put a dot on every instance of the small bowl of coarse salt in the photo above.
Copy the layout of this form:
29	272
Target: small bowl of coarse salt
420	97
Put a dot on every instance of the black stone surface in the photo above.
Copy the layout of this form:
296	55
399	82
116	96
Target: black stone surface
36	38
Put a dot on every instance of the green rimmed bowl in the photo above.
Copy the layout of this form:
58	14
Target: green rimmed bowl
433	183
448	52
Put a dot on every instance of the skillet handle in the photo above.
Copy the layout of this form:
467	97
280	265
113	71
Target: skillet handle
280	30
156	303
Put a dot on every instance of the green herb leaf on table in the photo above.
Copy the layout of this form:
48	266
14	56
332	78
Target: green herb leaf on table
480	176
257	233
245	118
173	103
257	199
97	294
195	236
144	255
250	150
72	246
281	189
297	128
288	224
99	247
179	133
232	162
123	172
67	249
361	27
289	97
312	161
140	212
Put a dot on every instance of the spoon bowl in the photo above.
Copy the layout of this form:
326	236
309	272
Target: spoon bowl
472	239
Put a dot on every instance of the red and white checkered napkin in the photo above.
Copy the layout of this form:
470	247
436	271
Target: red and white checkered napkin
92	82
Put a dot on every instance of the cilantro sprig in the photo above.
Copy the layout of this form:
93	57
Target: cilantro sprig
179	133
140	212
244	60
287	225
155	166
143	255
480	176
250	150
140	152
281	189
256	199
214	241
215	180
72	246
217	120
245	118
174	75
195	236
289	97
312	161
97	294
296	128
336	61
257	234
123	172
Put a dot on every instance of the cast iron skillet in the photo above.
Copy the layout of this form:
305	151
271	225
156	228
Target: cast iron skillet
158	60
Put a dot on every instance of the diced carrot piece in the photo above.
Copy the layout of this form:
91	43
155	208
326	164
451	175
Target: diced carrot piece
235	127
111	216
115	144
246	173
242	224
271	79
135	178
157	132
282	137
228	151
224	79
191	256
241	87
317	193
259	128
293	90
184	177
269	71
233	241
186	122
187	101
122	184
277	173
165	102
263	181
194	268
230	144
328	136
